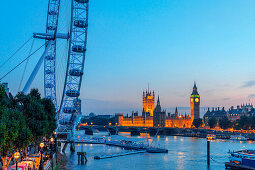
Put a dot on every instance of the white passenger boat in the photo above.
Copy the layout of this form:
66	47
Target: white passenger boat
238	137
243	158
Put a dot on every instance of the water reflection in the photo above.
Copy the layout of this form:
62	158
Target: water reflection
184	153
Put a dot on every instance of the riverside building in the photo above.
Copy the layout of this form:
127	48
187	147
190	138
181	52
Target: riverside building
156	117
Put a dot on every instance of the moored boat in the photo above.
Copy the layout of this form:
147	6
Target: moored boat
238	137
244	159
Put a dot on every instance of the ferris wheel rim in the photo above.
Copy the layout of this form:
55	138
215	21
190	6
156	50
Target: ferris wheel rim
74	71
50	59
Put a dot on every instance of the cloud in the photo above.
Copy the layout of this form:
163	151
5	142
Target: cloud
227	98
251	96
209	92
248	84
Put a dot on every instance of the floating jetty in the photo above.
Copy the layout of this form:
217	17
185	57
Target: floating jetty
156	150
229	165
89	140
118	154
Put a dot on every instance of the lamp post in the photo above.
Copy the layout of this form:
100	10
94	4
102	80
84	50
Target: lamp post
41	162
51	143
51	140
56	146
16	156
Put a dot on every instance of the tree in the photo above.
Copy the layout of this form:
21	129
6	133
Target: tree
35	94
23	119
2	92
243	123
14	133
224	123
50	111
212	122
24	134
253	122
197	122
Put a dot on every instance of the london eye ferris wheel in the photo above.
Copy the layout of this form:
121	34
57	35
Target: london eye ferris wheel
77	42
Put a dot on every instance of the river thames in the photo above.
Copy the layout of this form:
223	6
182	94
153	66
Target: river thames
183	153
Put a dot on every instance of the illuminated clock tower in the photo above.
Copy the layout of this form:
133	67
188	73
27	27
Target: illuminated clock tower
148	102
195	104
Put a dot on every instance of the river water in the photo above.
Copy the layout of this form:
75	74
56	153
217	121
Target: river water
183	153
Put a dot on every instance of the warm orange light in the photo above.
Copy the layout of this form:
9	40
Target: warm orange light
16	155
42	145
110	124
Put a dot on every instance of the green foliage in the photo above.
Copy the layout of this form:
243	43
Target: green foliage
224	123
212	122
34	93
24	134
244	123
50	111
252	121
2	92
36	119
197	122
9	130
24	118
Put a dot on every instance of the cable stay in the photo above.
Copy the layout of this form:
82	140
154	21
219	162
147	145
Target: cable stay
37	67
21	62
22	77
15	52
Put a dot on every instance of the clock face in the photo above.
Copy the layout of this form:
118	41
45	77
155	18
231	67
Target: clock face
191	100
196	99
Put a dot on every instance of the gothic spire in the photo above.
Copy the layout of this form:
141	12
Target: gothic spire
158	102
195	86
195	92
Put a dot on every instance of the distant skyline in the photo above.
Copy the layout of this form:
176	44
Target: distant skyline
169	44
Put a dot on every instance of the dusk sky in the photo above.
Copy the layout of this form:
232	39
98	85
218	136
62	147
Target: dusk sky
166	43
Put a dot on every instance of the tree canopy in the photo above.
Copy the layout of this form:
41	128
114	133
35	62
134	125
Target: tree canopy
197	122
212	122
24	119
224	123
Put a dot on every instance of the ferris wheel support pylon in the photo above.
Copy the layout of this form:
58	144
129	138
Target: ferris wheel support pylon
46	36
37	67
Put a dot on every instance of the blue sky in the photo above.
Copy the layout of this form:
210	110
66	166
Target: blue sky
168	43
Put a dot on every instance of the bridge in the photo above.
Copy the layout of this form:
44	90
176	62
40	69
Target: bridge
134	131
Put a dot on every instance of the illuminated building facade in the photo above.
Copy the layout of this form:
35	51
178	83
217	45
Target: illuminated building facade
194	103
155	117
148	102
159	117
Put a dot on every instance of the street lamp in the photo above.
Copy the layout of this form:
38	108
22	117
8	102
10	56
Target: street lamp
51	143
16	156
51	152
41	162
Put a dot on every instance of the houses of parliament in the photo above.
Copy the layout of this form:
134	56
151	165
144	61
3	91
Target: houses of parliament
155	116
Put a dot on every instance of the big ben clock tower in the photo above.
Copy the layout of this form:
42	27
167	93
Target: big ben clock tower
195	104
